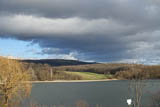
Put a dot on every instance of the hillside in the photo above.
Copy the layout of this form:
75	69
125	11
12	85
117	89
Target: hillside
57	69
58	62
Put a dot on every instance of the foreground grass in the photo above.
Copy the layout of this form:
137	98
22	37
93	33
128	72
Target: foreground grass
90	75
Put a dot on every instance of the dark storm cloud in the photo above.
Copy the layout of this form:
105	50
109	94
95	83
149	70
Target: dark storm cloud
101	30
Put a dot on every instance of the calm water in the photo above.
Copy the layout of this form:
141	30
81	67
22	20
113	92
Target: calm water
107	94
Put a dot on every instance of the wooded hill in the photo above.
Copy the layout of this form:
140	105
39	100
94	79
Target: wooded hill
48	69
58	62
44	68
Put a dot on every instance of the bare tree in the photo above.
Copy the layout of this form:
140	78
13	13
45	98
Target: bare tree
14	81
137	85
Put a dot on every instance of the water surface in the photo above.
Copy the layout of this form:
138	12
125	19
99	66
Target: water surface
106	93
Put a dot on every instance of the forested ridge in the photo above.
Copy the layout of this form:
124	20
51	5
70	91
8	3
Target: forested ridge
47	71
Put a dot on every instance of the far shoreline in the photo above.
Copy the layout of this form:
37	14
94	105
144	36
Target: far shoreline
73	81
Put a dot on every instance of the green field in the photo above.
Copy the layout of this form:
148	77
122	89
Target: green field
90	76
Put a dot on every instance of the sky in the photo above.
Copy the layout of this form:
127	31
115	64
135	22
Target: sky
87	30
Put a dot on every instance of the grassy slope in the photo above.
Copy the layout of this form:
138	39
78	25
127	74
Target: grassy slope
89	75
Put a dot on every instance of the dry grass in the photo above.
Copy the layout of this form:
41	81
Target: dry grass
90	75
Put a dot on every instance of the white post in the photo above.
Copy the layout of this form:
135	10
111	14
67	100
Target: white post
129	102
51	73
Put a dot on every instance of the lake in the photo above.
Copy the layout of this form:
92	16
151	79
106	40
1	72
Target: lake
106	93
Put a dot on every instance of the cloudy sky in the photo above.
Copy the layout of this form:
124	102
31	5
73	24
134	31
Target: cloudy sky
88	30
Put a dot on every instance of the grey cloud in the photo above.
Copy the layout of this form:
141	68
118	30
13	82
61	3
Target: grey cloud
130	10
100	30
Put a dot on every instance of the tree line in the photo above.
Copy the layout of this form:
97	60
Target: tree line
120	71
